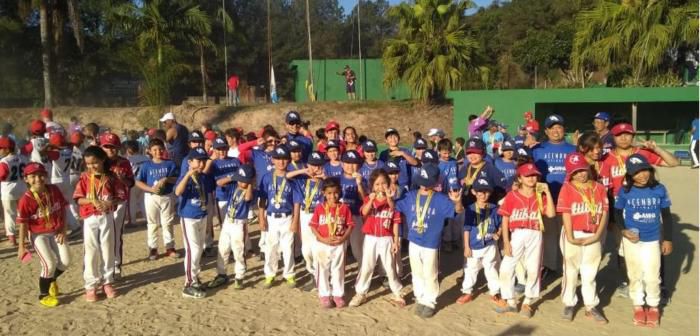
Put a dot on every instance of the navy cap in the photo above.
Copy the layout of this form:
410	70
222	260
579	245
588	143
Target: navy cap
294	146
197	154
245	174
427	176
351	156
552	120
420	144
369	146
281	152
429	156
482	184
392	168
196	136
292	117
604	116
316	159
332	144
524	152
507	145
390	131
475	146
220	143
636	163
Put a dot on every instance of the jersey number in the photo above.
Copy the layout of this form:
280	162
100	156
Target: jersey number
16	172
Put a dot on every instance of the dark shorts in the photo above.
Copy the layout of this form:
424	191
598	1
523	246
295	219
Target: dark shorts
350	87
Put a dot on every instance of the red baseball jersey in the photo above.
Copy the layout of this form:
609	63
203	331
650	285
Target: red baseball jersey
107	187
30	214
571	201
612	170
343	220
523	212
381	219
121	168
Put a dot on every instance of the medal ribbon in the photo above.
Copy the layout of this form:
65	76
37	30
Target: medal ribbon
309	195
483	226
95	189
589	201
421	212
235	200
472	177
280	190
200	191
332	221
44	207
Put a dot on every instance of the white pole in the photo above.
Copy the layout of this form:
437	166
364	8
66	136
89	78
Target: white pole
359	51
311	60
223	21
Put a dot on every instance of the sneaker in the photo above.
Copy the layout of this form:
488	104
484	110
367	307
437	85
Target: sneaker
640	316
526	311
326	302
695	167
13	240
291	282
623	290
268	282
172	253
397	300
652	317
339	302
519	288
427	312
503	307
237	283
219	280
153	254
596	315
194	293
110	292
465	298
309	286
53	289
358	300
90	295
568	314
49	301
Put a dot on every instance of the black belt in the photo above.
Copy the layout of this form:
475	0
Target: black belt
280	215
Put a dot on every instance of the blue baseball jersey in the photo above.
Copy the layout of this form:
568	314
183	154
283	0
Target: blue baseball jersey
333	171
481	227
488	171
151	172
222	168
192	204
311	190
262	161
289	195
350	194
519	141
448	175
549	159
439	209
367	169
236	202
404	173
292	166
642	210
507	169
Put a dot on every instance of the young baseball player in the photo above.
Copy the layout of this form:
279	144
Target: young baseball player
583	203
136	195
334	166
156	179
332	225
98	194
279	207
234	228
426	211
482	230
121	169
522	224
11	187
381	230
194	191
369	148
352	194
40	214
222	168
643	213
401	156
506	162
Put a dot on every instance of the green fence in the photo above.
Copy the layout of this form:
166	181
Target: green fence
661	114
330	86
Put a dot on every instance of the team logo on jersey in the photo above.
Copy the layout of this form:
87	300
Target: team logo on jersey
574	159
472	144
644	216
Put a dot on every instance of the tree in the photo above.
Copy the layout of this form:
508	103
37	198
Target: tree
432	51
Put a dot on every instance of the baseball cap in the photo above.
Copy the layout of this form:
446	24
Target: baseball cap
332	144
197	154
575	162
482	184
427	176
390	131
220	143
527	114
369	146
210	135
76	137
636	163
351	156
524	152
429	156
292	117
552	120
46	113
196	136
605	116
622	128
420	144
167	116
331	125
245	173
34	168
436	132
294	146
392	168
507	145
281	152
6	142
37	127
493	123
316	159
110	139
528	169
57	139
475	146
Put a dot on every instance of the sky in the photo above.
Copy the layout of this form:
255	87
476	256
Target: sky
348	5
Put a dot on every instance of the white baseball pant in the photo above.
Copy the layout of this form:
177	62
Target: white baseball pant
579	259
526	246
9	208
119	218
212	211
99	240
193	232
308	239
52	255
424	273
551	257
160	212
330	269
279	237
488	258
137	203
643	264
356	238
222	217
377	247
232	240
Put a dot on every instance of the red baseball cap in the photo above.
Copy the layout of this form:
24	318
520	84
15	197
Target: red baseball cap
527	114
76	138
57	139
528	169
210	135
46	113
151	132
110	139
331	125
622	128
34	168
575	162
37	127
6	142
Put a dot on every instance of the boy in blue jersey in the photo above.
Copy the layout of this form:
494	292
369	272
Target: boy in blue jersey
156	178
419	148
333	168
506	162
401	156
278	211
425	212
193	189
448	181
352	194
234	228
296	153
223	169
369	148
297	132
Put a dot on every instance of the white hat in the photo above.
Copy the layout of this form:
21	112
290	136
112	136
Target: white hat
168	116
435	131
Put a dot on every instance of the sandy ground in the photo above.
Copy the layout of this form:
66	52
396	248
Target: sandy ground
150	301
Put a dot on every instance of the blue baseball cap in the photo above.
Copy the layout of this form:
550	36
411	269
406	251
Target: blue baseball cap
351	156
369	146
292	117
281	152
482	184
390	131
196	136
429	156
636	163
524	152
552	120
294	146
332	144
507	145
392	168
245	174
604	116
427	176
220	143
316	159
197	154
420	144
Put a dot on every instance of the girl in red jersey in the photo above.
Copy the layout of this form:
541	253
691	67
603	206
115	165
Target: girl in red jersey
40	213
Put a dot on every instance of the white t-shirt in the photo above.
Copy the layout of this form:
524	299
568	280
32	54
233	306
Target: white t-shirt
60	170
13	187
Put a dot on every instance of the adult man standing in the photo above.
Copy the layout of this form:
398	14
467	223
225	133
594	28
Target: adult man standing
176	137
232	84
694	147
349	81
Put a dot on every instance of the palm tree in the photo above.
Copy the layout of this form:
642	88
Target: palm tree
635	33
432	52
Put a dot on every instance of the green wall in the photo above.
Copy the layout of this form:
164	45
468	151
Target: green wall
658	109
330	86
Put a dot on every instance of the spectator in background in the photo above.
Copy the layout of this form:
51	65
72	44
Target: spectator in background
601	122
233	83
492	138
478	123
519	140
435	135
349	81
531	124
694	147
74	125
